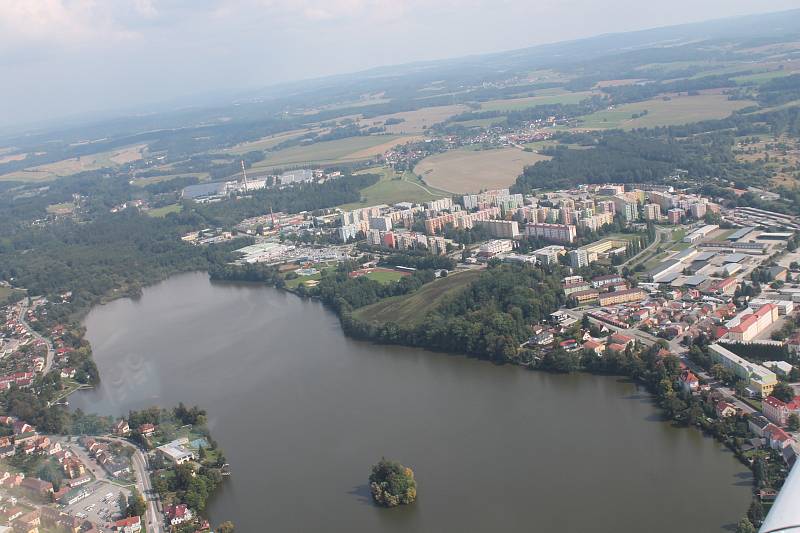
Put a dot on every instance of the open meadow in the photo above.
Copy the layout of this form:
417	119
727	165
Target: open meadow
466	171
411	309
393	188
338	151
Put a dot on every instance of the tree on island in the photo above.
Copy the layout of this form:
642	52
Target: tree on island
392	484
745	526
226	527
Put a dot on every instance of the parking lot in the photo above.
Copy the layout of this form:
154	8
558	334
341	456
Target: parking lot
101	506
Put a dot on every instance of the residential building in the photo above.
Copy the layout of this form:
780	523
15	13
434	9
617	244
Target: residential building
497	246
128	525
551	232
778	411
652	212
578	258
549	254
620	297
501	229
176	451
382	223
759	379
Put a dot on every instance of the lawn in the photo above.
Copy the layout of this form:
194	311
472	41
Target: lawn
161	212
469	171
393	188
515	104
338	151
412	308
660	112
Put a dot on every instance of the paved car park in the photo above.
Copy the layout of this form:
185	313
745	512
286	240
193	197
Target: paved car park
101	506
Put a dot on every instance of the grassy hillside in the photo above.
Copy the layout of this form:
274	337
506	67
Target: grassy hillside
412	308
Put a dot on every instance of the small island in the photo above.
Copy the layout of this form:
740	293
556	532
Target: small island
392	484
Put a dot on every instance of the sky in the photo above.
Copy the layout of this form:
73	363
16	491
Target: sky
66	58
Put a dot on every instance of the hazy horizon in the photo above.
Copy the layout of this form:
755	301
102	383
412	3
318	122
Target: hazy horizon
66	58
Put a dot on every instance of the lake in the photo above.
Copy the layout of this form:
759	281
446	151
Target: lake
302	412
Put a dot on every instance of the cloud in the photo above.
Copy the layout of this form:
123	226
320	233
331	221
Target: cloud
67	22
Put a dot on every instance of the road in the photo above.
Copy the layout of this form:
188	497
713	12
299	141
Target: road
154	517
48	363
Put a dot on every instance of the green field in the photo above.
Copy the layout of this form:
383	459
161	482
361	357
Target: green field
412	308
141	182
761	77
393	188
161	212
340	150
385	277
7	292
515	104
660	112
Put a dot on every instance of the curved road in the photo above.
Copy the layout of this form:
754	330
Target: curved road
48	363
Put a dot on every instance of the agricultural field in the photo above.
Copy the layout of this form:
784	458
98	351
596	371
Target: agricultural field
338	151
393	188
415	122
67	167
465	171
660	112
411	308
548	98
268	142
161	212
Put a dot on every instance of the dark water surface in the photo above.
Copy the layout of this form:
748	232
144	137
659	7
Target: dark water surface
302	412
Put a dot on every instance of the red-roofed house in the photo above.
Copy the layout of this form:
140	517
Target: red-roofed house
593	346
178	514
128	525
778	411
619	338
725	409
777	438
689	383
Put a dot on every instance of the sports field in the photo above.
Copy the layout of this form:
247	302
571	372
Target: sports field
161	212
393	188
466	171
674	111
412	308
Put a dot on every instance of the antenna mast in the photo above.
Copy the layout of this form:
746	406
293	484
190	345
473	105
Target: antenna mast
244	174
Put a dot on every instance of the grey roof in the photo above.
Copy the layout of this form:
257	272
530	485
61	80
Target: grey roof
704	256
670	277
735	258
693	281
663	266
738	234
204	189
